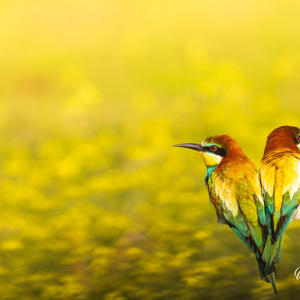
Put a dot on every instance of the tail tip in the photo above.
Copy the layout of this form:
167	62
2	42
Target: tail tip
272	277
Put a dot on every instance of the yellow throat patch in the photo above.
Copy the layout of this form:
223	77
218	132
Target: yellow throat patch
210	159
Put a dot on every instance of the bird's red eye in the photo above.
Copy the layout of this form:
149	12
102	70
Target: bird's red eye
213	148
298	138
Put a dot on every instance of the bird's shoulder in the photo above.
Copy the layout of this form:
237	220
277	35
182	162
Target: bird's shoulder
242	175
281	169
236	184
279	158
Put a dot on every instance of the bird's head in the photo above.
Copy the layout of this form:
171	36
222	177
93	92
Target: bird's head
284	137
215	149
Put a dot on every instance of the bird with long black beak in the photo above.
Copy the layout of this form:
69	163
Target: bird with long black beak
234	189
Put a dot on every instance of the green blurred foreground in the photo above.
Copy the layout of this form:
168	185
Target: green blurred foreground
94	203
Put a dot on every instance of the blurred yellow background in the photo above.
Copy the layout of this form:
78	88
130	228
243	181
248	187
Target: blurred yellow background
95	204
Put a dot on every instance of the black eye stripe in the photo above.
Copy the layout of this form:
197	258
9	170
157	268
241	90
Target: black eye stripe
296	140
220	151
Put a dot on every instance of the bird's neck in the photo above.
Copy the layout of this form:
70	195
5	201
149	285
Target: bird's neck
281	143
209	171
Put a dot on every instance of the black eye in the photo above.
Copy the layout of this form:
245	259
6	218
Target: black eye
214	148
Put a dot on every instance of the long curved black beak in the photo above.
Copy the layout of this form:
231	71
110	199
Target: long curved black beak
196	147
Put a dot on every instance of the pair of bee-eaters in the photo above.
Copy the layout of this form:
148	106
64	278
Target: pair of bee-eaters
257	204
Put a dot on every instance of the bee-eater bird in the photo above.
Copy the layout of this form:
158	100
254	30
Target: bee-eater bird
234	189
280	181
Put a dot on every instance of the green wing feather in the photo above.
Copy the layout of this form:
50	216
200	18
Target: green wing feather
260	210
